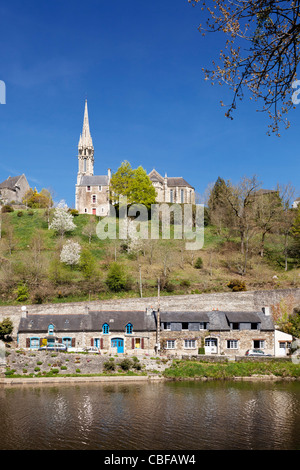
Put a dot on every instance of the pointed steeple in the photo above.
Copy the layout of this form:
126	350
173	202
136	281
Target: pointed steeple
86	138
85	149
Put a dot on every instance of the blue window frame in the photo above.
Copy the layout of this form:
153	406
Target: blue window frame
105	328
67	341
129	328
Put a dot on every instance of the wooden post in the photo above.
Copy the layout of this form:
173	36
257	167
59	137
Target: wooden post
158	318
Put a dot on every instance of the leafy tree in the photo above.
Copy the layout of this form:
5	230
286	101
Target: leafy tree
62	221
261	52
120	183
37	200
133	184
6	327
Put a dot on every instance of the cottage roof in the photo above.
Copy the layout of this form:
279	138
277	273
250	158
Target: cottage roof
95	180
192	317
91	321
242	317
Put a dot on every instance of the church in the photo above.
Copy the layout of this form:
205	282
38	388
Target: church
92	191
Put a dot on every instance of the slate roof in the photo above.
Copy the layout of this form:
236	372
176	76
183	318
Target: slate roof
192	317
171	181
10	182
95	180
91	321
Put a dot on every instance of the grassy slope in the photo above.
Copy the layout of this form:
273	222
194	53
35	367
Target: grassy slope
221	260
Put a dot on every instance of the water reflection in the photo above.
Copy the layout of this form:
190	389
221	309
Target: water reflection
176	416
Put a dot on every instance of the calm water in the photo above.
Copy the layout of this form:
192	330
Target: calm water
164	416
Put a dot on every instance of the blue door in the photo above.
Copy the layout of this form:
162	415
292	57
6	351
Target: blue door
118	343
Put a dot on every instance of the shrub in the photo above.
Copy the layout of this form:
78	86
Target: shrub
125	364
199	263
236	285
116	279
20	213
22	293
7	208
109	365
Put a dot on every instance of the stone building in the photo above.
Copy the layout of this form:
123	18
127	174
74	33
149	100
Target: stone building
13	189
172	189
215	332
92	191
113	332
135	332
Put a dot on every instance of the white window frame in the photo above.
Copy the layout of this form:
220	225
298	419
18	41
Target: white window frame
262	344
170	344
100	188
94	196
232	344
88	188
190	344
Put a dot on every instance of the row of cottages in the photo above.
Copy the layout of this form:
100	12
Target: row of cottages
134	332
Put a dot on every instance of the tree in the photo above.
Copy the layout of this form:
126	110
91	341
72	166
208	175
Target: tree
90	228
268	210
62	221
133	184
286	194
261	52
70	253
37	200
6	328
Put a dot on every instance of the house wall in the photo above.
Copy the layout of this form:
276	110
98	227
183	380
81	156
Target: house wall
84	200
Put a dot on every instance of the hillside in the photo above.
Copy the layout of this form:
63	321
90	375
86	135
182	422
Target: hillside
31	271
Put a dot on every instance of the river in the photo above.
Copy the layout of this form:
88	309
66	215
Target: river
151	416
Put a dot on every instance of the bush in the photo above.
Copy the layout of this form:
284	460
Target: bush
125	364
199	263
7	208
109	366
22	293
116	278
20	213
236	285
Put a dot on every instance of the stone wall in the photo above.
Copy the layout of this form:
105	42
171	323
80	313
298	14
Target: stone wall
229	301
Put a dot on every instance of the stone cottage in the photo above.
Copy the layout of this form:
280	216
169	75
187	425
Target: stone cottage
216	332
110	331
134	332
13	189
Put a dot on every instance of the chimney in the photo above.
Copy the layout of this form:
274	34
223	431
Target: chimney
266	311
24	312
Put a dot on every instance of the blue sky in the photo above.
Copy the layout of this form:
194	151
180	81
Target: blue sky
139	64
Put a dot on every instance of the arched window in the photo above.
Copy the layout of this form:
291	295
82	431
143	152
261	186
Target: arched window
128	328
51	330
105	328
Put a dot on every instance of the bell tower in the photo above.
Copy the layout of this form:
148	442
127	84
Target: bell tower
85	149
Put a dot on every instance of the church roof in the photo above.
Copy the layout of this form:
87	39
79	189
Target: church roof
95	180
85	138
171	181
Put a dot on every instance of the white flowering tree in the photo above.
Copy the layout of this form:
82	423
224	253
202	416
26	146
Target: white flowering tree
70	253
62	221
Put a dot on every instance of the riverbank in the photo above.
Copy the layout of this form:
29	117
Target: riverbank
175	370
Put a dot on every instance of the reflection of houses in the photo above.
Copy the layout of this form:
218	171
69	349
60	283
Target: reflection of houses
214	332
14	189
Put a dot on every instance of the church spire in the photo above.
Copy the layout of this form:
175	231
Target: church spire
85	149
86	138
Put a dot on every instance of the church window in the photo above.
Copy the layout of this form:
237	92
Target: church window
84	165
171	195
182	196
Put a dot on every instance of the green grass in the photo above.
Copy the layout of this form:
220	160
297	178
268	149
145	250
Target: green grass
230	370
